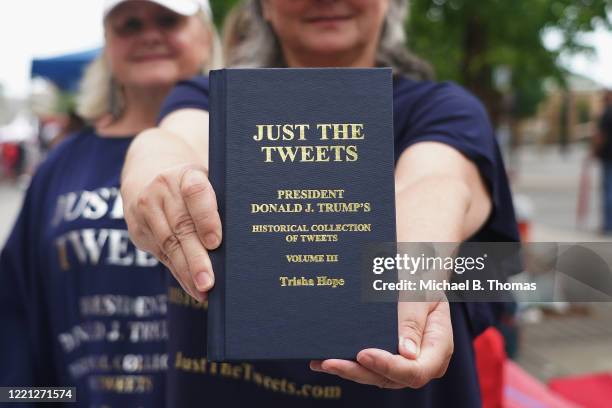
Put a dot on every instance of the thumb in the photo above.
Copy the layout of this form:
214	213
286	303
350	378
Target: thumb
412	318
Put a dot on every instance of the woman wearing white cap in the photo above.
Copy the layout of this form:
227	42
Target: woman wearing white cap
80	305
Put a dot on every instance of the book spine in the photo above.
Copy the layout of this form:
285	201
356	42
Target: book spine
216	173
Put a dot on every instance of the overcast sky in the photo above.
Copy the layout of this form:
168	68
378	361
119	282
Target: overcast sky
34	28
39	28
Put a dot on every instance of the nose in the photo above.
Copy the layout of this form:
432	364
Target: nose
151	34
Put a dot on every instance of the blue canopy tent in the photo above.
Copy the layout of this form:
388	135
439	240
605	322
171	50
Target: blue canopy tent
64	70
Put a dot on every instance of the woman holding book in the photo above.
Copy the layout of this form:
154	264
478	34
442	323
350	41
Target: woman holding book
80	305
450	187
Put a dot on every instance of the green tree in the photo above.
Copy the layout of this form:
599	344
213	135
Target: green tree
468	40
220	8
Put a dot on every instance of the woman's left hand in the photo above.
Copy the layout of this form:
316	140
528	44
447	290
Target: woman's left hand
425	347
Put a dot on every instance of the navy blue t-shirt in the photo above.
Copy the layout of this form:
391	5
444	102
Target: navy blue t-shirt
79	304
423	111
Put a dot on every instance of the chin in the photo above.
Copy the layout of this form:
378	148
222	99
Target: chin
329	49
155	79
329	44
153	84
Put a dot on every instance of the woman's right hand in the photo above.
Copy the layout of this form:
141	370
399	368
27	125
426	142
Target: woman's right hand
175	218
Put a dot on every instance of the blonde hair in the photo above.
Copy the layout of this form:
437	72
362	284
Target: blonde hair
100	95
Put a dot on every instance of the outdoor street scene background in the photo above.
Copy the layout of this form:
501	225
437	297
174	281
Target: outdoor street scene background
540	69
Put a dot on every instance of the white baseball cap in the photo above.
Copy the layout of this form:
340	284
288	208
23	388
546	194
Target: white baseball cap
183	7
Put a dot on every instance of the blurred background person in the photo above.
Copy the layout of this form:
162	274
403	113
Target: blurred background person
79	304
73	124
602	147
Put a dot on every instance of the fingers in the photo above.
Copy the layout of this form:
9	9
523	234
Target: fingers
183	235
430	323
433	358
437	346
201	203
411	321
139	232
138	229
169	249
175	218
396	368
350	370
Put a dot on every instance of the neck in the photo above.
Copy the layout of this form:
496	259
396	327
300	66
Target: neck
141	109
354	59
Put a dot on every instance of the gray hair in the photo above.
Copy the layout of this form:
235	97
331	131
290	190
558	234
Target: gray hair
261	47
99	94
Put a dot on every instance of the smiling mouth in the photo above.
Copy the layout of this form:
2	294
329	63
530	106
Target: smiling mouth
150	57
326	19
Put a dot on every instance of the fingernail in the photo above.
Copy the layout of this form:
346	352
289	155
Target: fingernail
203	281
329	370
210	240
410	346
193	177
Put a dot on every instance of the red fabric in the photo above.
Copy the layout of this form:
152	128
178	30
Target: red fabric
524	228
503	384
588	391
10	153
490	358
524	391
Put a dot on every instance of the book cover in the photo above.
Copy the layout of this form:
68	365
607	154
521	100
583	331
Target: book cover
301	161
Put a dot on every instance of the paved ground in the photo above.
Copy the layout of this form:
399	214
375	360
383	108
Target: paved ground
577	343
551	181
554	346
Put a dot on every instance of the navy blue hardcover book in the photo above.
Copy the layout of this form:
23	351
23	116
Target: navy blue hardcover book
302	163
